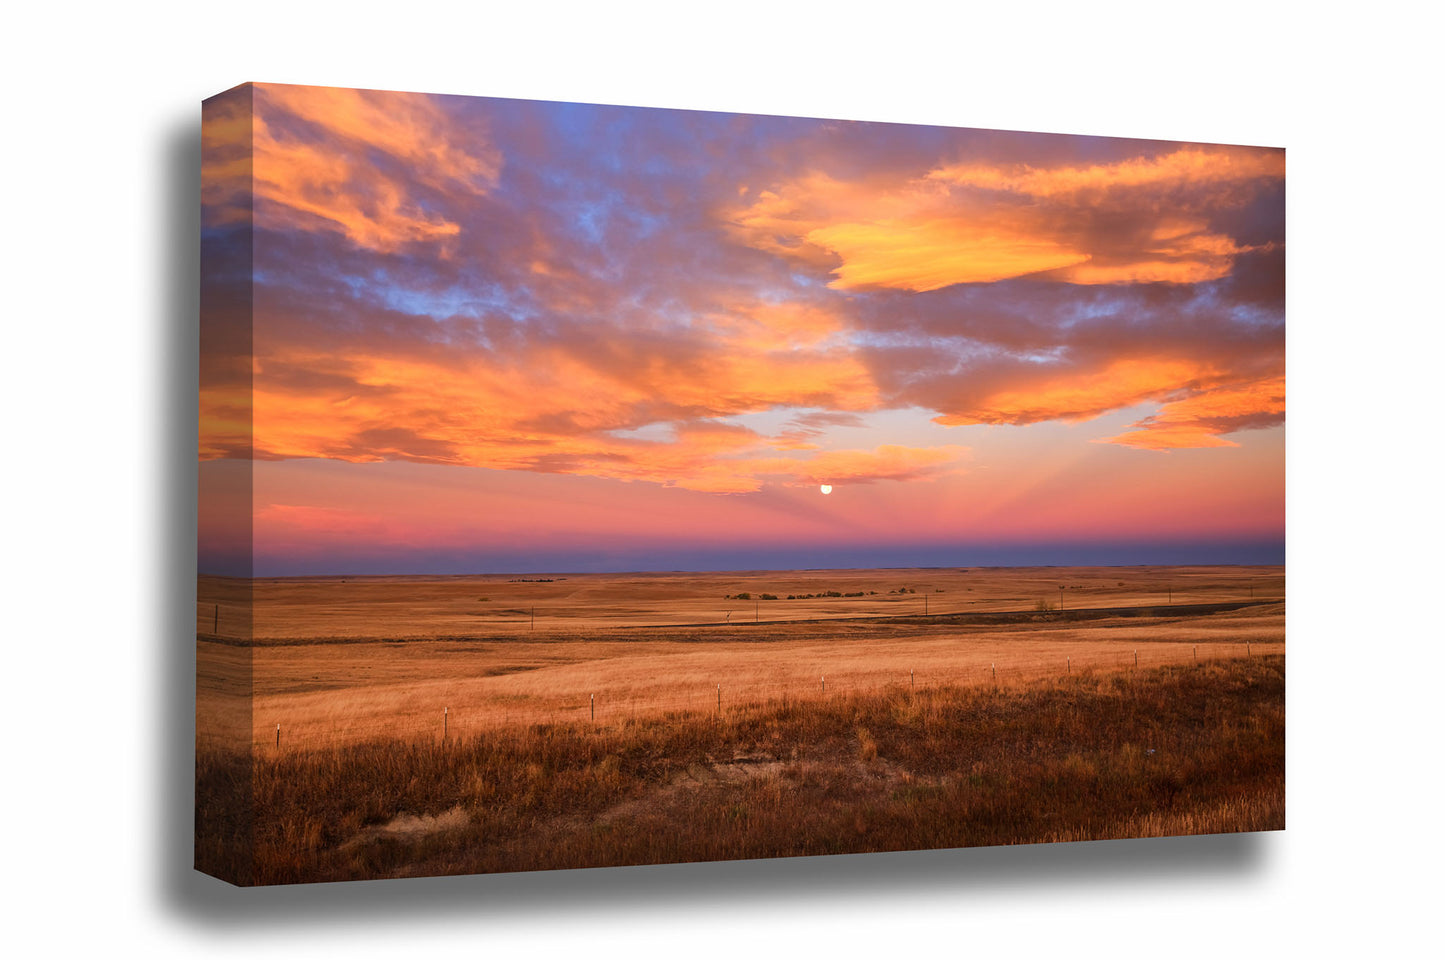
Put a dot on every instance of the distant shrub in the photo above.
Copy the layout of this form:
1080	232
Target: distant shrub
832	593
767	596
1043	606
743	596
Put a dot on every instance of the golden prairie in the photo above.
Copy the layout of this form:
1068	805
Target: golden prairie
344	660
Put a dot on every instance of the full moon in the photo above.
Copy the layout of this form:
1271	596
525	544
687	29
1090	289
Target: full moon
826	488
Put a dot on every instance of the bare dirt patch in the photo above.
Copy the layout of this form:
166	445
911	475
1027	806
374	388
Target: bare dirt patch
408	826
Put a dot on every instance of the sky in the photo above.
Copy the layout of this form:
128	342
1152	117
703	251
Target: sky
470	335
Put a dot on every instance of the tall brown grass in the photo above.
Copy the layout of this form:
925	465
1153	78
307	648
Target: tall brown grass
1172	750
336	695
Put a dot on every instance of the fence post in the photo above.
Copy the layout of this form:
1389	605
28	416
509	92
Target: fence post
994	668
823	680
446	711
278	736
1069	664
910	679
719	699
593	701
1136	658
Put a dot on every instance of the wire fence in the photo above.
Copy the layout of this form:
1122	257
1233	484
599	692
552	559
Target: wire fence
607	709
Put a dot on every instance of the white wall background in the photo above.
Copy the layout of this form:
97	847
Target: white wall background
101	117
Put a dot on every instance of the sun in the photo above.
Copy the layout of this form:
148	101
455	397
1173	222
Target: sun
827	488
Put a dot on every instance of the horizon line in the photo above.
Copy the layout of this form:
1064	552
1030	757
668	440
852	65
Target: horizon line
563	574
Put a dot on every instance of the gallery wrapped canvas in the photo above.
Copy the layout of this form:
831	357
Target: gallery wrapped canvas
585	485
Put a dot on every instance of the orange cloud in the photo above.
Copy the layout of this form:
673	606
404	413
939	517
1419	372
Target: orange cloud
1198	420
226	159
1083	395
301	186
226	412
1200	402
408	126
929	254
555	411
227	260
976	223
561	407
313	164
1171	437
1185	167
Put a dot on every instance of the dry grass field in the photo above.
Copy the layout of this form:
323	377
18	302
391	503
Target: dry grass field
418	735
568	604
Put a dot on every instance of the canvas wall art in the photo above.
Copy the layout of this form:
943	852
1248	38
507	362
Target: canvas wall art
585	486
